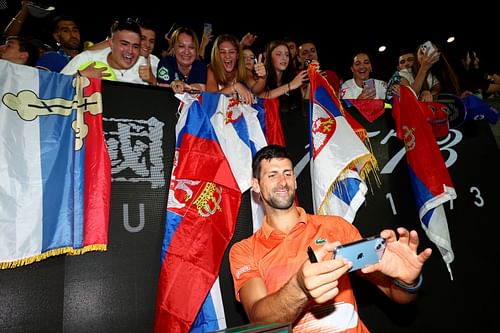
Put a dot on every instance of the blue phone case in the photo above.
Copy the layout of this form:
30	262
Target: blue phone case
361	253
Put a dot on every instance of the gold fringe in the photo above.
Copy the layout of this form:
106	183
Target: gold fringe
52	253
368	168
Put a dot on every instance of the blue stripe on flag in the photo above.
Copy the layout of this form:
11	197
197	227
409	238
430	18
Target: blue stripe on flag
57	149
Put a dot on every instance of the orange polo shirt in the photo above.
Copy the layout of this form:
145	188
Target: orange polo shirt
275	256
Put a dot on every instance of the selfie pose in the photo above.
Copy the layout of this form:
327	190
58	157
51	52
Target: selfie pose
276	279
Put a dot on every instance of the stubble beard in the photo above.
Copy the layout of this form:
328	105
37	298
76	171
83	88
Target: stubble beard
279	203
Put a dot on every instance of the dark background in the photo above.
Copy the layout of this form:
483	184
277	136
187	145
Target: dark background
338	30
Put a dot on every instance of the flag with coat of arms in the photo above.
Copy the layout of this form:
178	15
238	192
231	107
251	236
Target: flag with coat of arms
340	161
216	139
432	186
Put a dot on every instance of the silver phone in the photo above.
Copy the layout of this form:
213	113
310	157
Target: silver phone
364	252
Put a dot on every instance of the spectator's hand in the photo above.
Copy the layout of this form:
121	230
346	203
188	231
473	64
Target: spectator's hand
299	79
367	93
179	86
92	71
426	96
400	259
248	39
319	281
146	73
205	39
245	95
260	68
395	90
430	59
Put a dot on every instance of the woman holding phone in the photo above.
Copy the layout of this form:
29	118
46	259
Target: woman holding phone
361	86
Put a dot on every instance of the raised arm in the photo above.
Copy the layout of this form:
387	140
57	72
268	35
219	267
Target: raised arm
16	24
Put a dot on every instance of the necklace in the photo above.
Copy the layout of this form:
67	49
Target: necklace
122	72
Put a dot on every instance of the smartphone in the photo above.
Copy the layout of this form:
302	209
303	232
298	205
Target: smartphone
369	84
427	48
366	251
207	28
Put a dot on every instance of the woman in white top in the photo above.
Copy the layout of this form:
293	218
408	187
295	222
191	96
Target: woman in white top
354	88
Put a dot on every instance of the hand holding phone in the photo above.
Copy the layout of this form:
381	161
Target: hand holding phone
369	84
427	48
207	29
367	251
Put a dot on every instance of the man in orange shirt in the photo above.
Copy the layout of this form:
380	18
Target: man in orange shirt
276	282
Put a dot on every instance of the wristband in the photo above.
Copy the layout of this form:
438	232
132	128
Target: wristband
407	288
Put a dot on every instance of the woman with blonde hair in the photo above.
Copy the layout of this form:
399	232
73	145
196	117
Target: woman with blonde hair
227	72
182	70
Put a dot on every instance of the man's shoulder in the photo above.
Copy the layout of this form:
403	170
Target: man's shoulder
245	245
333	223
53	61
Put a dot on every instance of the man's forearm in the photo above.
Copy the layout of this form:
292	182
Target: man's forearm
285	305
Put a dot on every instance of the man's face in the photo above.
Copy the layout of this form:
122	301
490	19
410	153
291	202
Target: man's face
307	51
148	38
277	183
125	48
11	52
68	35
293	49
406	61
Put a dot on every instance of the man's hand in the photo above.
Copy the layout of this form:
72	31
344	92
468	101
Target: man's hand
400	259
319	281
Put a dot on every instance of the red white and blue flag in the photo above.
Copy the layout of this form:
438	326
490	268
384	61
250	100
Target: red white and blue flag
55	178
216	139
432	186
339	159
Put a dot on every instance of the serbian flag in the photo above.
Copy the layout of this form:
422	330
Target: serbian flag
203	204
339	159
55	178
432	186
269	118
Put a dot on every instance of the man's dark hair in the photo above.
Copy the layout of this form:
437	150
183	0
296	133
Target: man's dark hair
128	24
59	18
267	153
405	50
148	24
26	44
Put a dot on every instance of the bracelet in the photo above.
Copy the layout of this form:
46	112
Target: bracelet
288	92
407	288
17	20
